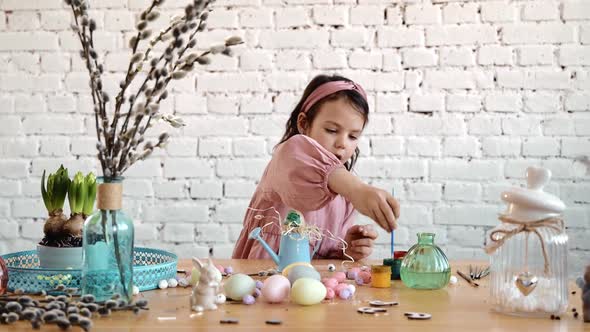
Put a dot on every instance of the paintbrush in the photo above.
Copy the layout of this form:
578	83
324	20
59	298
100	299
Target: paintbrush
466	278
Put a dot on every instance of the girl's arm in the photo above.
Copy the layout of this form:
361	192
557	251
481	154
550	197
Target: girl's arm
373	202
298	173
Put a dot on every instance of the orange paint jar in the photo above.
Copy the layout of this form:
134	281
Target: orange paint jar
380	276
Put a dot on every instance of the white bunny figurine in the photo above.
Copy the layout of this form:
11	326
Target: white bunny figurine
206	294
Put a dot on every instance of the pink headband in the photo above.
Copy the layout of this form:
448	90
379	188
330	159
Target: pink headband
329	88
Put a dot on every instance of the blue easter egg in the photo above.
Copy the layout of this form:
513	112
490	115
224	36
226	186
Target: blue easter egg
303	271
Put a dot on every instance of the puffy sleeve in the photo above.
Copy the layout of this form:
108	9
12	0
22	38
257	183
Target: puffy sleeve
333	248
299	171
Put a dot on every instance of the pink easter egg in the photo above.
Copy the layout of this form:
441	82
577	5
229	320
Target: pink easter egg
331	283
340	287
220	268
340	276
330	294
366	276
276	288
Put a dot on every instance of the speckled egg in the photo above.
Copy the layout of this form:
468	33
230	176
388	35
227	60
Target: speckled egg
239	285
352	273
352	288
302	271
307	291
366	276
276	288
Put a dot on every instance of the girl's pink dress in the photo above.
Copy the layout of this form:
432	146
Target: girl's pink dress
297	178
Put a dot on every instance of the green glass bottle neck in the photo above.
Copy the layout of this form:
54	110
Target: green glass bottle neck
426	238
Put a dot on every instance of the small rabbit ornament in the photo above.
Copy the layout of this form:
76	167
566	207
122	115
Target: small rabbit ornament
206	293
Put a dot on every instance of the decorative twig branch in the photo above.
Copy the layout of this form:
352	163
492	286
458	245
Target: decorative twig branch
119	134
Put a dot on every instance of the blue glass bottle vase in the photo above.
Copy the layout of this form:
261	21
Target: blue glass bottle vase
108	234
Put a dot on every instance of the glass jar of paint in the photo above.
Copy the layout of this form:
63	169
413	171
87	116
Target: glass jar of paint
380	276
528	251
395	263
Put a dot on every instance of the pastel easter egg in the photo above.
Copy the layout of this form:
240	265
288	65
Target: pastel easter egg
248	299
366	276
331	283
330	294
220	268
288	268
276	288
307	291
172	282
239	285
302	271
352	273
163	284
344	294
352	288
340	287
340	276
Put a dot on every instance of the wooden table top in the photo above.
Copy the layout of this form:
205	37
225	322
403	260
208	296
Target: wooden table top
458	307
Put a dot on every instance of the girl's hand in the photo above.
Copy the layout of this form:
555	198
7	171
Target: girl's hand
376	204
360	241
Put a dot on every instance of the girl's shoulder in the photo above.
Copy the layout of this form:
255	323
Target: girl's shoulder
303	143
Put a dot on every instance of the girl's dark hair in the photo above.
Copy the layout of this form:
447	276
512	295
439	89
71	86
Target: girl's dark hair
352	96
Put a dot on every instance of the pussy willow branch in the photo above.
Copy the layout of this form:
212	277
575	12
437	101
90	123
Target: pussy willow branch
128	76
139	117
94	93
118	138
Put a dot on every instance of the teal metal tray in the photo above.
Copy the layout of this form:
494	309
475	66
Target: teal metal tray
149	267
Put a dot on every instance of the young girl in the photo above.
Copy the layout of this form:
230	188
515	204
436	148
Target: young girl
310	172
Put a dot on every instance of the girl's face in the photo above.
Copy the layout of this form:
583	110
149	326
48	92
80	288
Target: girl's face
337	126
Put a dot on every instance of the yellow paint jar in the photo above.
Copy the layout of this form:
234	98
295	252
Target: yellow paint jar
380	276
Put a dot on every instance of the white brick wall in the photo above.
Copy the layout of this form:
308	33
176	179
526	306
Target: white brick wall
464	96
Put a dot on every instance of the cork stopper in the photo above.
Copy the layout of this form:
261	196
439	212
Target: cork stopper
109	196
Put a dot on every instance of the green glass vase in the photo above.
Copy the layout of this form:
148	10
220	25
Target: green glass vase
108	235
425	266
